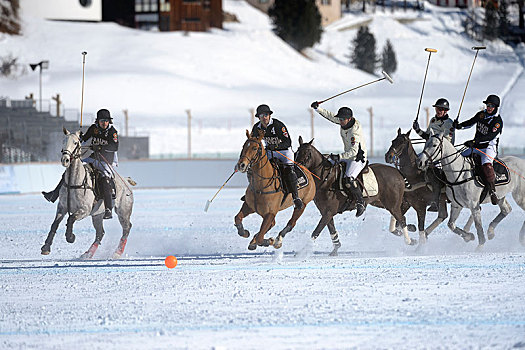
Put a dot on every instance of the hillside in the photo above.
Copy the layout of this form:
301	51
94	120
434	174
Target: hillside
220	75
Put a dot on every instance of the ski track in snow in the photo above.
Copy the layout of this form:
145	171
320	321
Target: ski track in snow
378	293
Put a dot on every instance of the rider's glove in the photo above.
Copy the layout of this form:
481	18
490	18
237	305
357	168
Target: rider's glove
335	157
314	105
469	143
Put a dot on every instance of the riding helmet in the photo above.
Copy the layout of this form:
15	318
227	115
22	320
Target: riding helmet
492	99
443	103
263	109
103	114
344	113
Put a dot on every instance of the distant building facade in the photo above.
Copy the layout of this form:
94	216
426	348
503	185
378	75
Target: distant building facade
330	10
65	10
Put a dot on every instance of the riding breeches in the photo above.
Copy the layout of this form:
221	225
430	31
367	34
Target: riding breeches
353	168
487	154
285	156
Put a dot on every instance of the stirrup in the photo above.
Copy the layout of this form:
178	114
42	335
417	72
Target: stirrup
298	203
107	214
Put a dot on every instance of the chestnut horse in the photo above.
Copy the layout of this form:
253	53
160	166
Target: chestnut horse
329	200
264	194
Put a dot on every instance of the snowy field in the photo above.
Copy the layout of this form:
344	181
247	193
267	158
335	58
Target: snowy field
378	293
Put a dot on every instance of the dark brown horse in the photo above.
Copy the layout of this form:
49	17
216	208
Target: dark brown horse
264	194
418	196
329	200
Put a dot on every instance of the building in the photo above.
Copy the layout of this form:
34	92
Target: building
65	10
330	10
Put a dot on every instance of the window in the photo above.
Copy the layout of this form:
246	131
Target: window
191	20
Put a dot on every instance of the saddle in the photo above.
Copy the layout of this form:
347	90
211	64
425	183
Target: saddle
500	170
96	178
302	180
366	179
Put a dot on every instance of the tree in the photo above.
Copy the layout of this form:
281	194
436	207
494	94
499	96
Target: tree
9	20
490	27
297	22
504	23
388	58
364	50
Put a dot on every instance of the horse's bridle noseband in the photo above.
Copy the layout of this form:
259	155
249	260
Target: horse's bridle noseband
258	155
76	151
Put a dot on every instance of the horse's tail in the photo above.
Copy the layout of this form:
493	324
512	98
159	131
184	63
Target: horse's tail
131	181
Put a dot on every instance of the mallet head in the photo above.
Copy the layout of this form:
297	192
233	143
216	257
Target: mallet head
428	49
387	77
479	47
84	53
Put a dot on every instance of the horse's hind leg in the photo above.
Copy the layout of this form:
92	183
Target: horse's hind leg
244	212
258	239
505	209
476	213
289	226
99	229
442	215
400	218
126	227
70	236
46	248
334	236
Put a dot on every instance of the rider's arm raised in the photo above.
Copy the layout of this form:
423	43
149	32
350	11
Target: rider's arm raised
328	115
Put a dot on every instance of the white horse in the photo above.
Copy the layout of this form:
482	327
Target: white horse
464	192
78	199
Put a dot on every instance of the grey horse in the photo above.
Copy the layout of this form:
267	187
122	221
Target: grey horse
463	192
78	199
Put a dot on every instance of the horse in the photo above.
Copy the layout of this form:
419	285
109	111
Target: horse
418	196
391	188
77	197
464	192
264	194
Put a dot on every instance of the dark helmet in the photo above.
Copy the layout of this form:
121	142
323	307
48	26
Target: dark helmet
263	109
492	99
103	114
443	103
344	113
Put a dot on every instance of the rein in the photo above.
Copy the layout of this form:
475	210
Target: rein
259	157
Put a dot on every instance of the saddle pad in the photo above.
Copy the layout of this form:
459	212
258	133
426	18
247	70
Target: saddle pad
370	182
302	180
500	170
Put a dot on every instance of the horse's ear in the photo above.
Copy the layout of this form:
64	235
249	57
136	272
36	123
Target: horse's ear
408	133
65	131
261	135
247	133
311	141
300	140
398	131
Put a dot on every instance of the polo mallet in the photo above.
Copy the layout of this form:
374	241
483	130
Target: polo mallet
477	48
84	53
211	200
430	51
385	76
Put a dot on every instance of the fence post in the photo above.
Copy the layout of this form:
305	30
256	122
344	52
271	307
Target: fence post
371	112
125	111
428	115
252	118
188	112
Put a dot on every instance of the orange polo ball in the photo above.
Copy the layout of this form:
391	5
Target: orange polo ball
170	261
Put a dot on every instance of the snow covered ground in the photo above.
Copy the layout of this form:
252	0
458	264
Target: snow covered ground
378	293
221	74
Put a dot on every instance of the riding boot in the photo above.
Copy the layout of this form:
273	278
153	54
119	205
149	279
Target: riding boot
53	195
358	195
436	191
291	183
490	177
108	200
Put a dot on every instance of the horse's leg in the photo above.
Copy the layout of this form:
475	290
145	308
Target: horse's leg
334	236
70	236
46	248
125	222
505	209
99	229
454	213
289	226
469	223
442	215
400	218
476	213
259	239
244	212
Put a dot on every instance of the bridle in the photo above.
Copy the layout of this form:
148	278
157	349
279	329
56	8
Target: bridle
75	154
313	169
258	155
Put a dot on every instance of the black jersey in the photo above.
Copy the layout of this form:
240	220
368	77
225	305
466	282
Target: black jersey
276	135
106	138
488	127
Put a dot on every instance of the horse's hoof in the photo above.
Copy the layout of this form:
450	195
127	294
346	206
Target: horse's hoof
70	238
277	244
46	249
411	228
490	233
252	246
468	237
242	232
333	253
116	256
246	234
412	241
479	248
397	232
